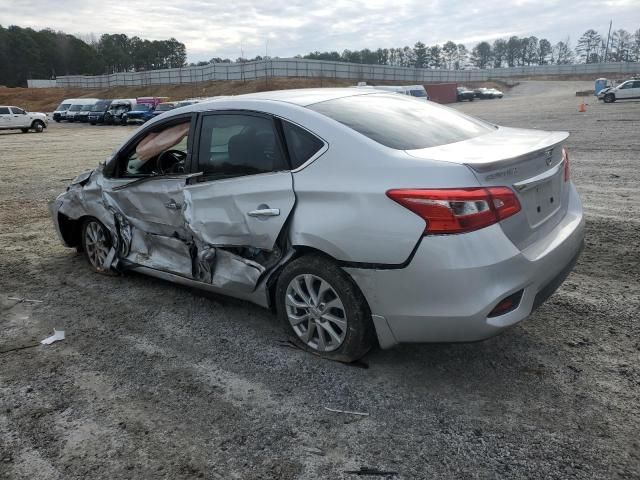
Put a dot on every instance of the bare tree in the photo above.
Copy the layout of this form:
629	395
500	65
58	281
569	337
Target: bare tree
463	55
562	53
621	46
587	48
449	54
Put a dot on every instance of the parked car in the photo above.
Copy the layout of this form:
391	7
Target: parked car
77	106
83	114
163	107
118	108
269	197
15	118
140	113
483	93
625	91
495	92
463	93
152	101
416	91
60	113
98	111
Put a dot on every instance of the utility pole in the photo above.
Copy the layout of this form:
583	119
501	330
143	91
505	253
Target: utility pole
266	58
606	49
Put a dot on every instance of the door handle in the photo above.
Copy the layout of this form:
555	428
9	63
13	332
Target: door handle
264	212
172	205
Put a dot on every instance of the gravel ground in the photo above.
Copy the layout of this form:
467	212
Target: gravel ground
158	381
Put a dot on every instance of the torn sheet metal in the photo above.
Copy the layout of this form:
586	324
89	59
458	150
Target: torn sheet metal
233	272
201	232
163	253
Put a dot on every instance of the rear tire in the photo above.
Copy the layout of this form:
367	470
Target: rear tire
323	311
609	98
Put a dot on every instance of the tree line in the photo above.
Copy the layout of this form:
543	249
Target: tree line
514	51
26	53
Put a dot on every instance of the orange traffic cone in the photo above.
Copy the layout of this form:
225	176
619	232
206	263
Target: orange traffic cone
582	108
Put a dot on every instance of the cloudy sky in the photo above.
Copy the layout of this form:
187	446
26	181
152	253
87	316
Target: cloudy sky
287	27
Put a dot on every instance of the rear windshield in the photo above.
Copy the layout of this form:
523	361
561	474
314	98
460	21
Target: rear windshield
399	122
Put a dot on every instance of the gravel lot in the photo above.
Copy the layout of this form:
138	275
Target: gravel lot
158	381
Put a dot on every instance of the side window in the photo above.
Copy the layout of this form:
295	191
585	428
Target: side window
234	145
301	144
160	152
627	85
17	110
4	110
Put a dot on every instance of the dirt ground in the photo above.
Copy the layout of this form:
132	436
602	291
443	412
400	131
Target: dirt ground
47	99
159	381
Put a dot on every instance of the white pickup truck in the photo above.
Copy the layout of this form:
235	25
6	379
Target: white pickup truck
14	118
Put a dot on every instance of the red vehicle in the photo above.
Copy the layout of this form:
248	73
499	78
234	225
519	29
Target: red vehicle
152	101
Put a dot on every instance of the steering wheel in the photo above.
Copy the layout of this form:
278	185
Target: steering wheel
170	161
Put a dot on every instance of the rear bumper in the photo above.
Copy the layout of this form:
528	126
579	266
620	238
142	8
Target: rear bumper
453	282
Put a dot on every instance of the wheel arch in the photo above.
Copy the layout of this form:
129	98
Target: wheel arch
303	250
71	229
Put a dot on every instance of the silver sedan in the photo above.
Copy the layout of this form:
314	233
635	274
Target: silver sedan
361	217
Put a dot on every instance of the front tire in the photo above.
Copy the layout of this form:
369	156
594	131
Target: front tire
38	126
322	310
609	98
96	245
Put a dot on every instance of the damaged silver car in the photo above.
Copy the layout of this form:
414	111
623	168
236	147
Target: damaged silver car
359	216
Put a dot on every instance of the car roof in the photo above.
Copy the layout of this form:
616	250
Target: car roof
302	96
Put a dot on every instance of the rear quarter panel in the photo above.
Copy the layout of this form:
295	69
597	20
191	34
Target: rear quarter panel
342	208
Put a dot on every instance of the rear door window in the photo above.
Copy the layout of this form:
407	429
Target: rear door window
399	122
4	110
302	145
234	145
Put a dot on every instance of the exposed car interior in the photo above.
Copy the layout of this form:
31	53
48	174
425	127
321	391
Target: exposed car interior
233	145
160	152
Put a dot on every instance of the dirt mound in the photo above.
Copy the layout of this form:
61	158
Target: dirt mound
47	99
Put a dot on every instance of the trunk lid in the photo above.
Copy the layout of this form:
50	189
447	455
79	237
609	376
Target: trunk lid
529	162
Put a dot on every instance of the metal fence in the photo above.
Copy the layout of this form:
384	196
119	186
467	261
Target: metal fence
295	67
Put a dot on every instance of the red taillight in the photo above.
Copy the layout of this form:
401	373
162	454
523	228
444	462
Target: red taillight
458	210
565	159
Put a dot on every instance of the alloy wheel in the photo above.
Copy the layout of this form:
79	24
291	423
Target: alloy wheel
316	313
96	244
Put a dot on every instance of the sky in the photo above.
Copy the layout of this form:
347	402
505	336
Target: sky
284	28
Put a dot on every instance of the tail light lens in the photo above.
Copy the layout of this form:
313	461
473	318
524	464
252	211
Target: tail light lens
565	159
458	210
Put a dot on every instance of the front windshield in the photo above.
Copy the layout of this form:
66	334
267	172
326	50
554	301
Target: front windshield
100	107
63	106
418	93
141	107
